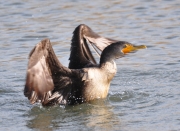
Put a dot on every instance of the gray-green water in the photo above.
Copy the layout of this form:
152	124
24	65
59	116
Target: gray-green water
145	93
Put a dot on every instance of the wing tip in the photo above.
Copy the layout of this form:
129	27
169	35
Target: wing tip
43	43
46	40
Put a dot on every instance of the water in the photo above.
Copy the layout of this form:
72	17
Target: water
145	93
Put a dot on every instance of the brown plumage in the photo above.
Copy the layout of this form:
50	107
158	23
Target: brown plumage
50	83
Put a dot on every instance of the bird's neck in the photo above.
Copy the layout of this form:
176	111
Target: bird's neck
110	53
106	57
107	63
110	69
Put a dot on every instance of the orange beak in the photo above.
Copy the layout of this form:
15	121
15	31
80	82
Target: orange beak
130	48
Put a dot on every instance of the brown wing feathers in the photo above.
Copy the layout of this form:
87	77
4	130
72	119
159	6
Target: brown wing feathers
39	82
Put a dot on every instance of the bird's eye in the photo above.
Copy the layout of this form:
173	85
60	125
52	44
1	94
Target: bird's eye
125	46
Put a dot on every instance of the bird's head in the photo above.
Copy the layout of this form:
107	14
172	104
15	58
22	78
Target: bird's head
117	50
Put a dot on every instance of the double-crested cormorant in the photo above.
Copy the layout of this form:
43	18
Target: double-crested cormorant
50	83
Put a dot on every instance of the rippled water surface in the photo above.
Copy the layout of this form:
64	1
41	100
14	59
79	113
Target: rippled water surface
145	93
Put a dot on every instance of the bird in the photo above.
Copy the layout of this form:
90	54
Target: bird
50	83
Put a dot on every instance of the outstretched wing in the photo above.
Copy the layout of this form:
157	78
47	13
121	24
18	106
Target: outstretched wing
45	73
81	55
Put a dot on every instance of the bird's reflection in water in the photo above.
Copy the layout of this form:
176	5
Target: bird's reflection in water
101	116
96	115
40	119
